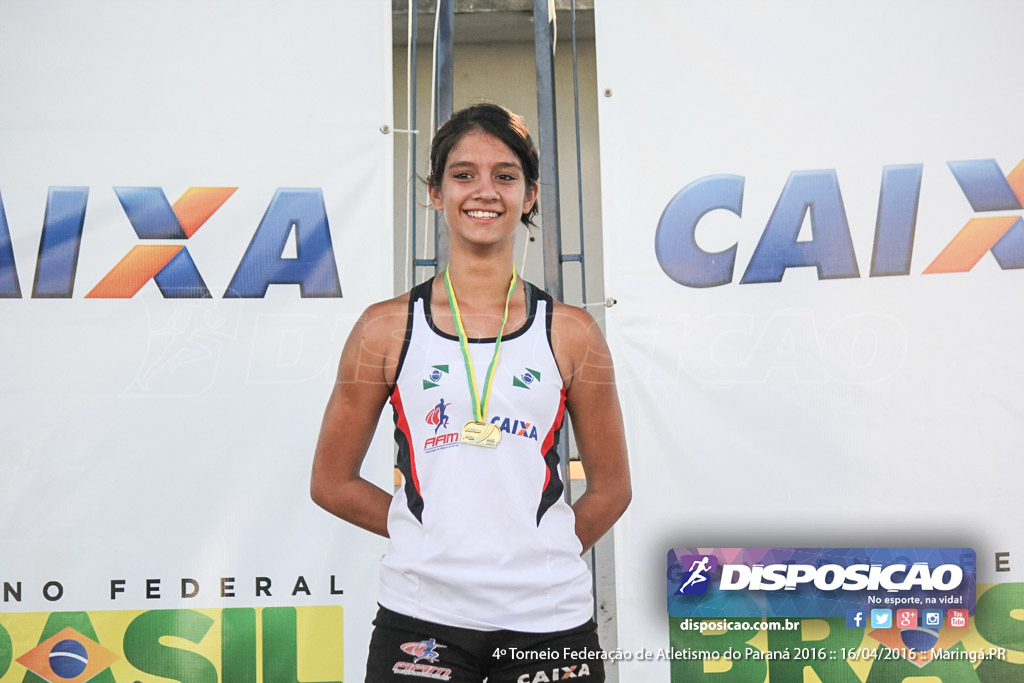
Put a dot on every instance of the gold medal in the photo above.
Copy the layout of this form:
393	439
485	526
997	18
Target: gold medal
481	434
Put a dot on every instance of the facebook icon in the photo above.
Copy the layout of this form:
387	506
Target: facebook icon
855	618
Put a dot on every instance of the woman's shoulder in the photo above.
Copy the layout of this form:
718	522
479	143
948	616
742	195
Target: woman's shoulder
375	342
572	321
388	307
379	320
577	342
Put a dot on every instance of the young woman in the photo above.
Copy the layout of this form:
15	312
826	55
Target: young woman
479	366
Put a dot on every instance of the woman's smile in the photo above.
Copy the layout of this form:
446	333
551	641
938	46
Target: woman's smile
483	214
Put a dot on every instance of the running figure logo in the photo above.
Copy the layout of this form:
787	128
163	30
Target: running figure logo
696	577
438	417
423	650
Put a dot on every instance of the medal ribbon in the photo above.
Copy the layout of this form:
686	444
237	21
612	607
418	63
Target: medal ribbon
480	403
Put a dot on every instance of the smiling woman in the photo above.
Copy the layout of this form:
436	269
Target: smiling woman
480	367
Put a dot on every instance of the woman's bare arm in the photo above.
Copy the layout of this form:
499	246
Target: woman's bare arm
366	373
593	405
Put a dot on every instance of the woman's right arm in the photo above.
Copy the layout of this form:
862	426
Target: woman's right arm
365	374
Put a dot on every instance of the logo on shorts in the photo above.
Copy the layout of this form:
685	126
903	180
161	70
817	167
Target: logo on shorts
424	650
558	674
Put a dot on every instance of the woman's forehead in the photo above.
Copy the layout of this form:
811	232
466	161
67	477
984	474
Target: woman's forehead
478	147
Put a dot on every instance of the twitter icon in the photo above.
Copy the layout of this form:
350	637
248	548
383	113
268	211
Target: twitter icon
881	618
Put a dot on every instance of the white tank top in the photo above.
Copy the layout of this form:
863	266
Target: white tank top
481	537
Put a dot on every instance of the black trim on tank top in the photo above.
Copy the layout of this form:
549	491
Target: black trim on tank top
552	493
549	311
417	292
532	294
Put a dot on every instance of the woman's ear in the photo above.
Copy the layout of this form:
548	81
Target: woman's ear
435	198
531	196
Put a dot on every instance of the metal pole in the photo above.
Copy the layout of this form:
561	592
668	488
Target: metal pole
444	105
412	68
544	49
579	161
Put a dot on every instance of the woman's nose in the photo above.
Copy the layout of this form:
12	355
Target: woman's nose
486	189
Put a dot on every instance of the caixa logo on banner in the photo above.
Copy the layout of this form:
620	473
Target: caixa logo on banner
168	263
817	194
817	582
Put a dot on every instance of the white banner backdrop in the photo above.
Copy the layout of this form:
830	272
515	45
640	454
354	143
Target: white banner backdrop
791	375
159	422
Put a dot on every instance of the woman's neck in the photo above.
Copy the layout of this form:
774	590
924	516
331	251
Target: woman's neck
481	283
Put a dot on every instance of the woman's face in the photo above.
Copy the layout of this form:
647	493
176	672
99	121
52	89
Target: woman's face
483	191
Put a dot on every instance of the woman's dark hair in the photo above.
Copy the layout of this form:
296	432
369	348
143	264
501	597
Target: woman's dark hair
494	120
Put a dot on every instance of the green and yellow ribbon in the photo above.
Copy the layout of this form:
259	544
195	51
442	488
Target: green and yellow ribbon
480	404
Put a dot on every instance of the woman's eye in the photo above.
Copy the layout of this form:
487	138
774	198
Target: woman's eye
507	178
461	175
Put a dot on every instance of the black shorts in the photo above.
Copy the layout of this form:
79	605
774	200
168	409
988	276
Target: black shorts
412	650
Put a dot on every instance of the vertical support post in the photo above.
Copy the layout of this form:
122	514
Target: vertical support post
444	105
550	215
412	68
551	234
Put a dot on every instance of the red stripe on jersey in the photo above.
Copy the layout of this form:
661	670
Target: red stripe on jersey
403	424
549	438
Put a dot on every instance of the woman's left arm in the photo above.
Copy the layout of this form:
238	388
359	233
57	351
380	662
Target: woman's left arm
593	404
